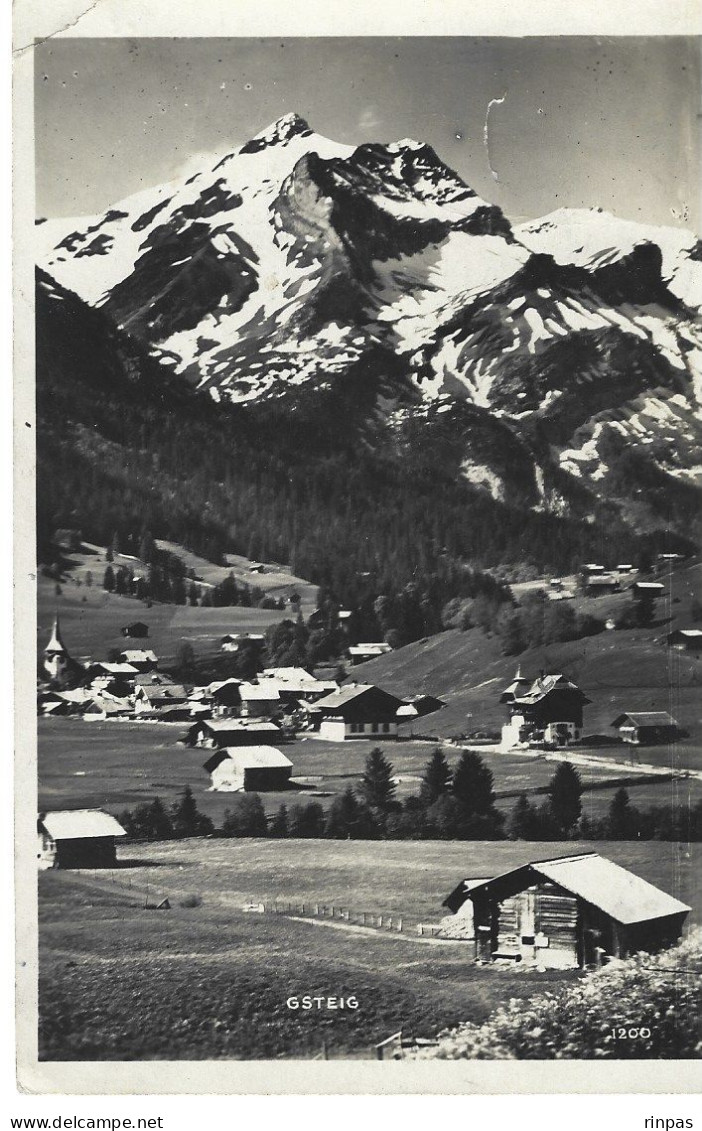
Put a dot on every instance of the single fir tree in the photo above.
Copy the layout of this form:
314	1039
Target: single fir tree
187	819
436	780
279	824
473	784
377	787
565	797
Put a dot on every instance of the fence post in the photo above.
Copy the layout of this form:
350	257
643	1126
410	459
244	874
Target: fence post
380	920
316	909
388	924
399	924
332	911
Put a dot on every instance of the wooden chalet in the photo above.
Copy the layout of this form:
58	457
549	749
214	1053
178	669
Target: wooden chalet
685	640
155	696
359	710
359	653
597	584
225	697
646	728
259	699
424	704
137	629
77	838
572	911
251	768
547	709
143	659
215	734
232	641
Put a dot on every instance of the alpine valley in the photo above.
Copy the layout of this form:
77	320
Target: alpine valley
343	359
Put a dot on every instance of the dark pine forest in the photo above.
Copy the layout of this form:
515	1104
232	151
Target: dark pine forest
311	481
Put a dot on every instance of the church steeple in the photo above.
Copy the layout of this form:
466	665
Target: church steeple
56	658
56	644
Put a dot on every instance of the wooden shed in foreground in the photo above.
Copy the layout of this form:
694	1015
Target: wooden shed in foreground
568	912
77	838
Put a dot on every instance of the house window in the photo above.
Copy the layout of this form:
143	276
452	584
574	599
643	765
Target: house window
374	728
386	728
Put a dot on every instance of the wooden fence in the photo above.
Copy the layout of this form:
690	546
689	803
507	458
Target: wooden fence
335	911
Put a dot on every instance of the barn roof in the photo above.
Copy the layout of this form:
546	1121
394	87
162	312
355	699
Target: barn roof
115	669
266	691
687	633
346	694
253	758
79	824
615	890
139	655
223	726
646	719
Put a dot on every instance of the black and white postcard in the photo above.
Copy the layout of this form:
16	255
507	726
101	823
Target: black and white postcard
358	418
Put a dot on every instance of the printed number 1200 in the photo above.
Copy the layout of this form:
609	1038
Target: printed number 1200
621	1033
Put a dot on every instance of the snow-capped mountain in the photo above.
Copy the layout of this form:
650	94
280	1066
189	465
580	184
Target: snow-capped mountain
294	260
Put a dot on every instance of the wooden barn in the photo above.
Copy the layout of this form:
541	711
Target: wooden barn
257	768
647	728
77	838
685	640
143	659
359	653
225	697
596	584
215	734
572	911
359	710
136	629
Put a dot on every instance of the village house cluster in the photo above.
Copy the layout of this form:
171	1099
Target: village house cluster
243	721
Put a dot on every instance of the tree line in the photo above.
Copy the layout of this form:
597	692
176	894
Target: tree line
458	805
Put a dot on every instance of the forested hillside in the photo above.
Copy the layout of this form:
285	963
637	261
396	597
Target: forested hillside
314	482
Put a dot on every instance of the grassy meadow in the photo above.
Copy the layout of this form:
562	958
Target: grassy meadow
120	981
91	619
119	764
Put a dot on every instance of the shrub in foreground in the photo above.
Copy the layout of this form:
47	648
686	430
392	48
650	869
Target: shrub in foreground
659	995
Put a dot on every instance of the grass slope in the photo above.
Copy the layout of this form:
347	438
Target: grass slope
118	981
91	619
623	670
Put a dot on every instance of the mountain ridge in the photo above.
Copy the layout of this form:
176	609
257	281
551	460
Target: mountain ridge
296	261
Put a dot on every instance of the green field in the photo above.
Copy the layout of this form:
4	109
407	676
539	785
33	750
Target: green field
119	981
117	765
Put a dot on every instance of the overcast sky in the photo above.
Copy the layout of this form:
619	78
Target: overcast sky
579	122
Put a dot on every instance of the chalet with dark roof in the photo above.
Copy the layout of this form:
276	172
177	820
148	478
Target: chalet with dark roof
547	709
359	710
